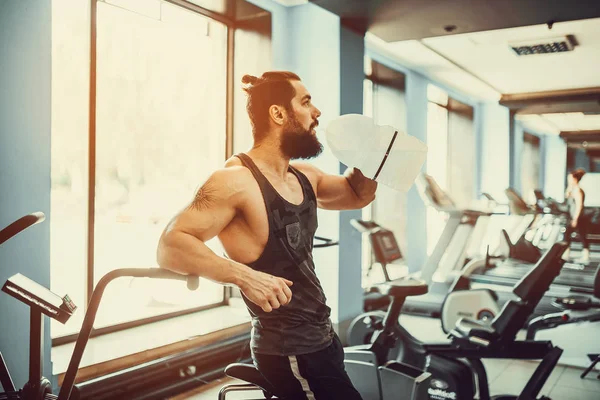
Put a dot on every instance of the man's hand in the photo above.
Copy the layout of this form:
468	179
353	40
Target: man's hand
574	223
266	291
362	186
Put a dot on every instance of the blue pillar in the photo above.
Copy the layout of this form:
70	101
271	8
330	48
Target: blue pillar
416	212
352	50
25	81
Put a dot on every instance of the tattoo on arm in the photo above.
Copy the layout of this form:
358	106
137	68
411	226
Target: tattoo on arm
205	196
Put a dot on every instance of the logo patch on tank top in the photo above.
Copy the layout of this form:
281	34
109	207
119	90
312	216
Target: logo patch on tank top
293	234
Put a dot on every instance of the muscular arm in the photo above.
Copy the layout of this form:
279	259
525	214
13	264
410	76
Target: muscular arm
350	191
182	247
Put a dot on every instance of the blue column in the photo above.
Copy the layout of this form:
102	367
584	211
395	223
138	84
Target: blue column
416	212
352	50
25	81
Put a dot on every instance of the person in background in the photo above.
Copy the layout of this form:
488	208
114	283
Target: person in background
575	198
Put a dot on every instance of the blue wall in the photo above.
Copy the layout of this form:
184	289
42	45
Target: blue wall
352	49
25	33
416	211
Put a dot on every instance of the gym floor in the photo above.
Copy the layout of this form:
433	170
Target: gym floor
505	376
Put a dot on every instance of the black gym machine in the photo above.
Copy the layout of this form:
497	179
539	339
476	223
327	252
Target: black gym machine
434	371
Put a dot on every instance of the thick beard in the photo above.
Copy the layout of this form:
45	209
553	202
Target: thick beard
299	143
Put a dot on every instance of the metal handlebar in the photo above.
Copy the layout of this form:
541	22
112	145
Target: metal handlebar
326	242
90	315
20	225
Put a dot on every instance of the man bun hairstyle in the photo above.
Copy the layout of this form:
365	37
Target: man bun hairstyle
272	88
249	79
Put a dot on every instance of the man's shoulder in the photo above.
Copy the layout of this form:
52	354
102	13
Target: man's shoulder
232	169
233	176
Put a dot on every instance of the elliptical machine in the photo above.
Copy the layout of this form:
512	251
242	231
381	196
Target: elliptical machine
451	376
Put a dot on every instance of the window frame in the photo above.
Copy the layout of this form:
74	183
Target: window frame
91	177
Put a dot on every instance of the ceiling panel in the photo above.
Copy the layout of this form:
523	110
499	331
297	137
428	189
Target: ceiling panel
489	56
561	122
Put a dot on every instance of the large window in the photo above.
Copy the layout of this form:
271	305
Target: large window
160	85
69	155
451	155
384	100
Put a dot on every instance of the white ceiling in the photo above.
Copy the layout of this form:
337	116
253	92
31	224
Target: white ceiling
488	55
414	55
483	64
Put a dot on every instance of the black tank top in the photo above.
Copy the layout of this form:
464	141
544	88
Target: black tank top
302	326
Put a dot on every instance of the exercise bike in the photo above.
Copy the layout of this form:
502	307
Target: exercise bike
44	302
456	370
452	371
460	301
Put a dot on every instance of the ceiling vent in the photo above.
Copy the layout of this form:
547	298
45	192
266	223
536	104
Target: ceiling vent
544	46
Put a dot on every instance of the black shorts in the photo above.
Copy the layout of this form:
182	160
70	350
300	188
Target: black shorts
319	375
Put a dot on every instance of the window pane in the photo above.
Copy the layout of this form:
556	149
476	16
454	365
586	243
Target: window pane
387	105
437	95
389	207
437	166
252	56
368	98
367	212
161	114
530	167
69	155
461	159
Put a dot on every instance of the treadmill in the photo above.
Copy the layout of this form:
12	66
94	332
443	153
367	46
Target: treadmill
547	229
450	252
